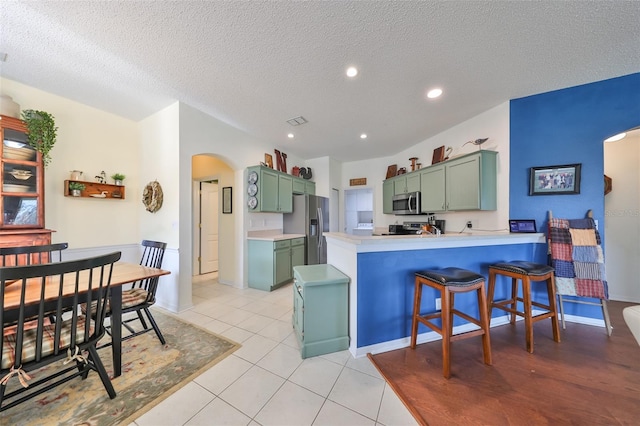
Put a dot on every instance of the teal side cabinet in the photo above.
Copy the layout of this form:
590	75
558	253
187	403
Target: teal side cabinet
320	309
271	262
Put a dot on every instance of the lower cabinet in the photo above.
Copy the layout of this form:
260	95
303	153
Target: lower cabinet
25	237
297	252
320	309
271	262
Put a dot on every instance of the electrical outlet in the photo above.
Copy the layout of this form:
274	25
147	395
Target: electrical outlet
438	304
469	224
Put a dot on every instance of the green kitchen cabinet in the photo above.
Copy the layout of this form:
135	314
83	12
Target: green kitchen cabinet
404	184
387	196
310	188
432	179
271	262
272	190
303	186
297	251
320	309
468	182
471	182
282	262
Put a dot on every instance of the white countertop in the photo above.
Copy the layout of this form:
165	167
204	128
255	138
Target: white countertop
375	243
271	235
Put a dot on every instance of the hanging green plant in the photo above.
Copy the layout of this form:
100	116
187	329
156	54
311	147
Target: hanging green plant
42	132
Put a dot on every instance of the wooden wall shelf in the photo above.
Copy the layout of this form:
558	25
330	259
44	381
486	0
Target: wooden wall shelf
115	192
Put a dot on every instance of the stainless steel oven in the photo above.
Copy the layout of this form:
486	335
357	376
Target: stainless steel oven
408	203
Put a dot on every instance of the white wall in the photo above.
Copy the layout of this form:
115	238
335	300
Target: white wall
159	146
493	124
622	214
90	140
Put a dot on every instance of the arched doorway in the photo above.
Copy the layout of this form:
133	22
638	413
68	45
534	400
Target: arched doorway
622	214
212	227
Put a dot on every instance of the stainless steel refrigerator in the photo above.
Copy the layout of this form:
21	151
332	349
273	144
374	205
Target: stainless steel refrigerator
310	217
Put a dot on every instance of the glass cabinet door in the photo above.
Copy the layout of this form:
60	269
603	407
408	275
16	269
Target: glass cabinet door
21	179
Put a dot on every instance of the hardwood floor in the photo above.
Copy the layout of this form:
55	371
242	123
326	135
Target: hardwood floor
588	378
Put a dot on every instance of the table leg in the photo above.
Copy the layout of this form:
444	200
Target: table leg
116	329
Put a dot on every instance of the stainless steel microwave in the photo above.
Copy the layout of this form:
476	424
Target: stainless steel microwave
408	203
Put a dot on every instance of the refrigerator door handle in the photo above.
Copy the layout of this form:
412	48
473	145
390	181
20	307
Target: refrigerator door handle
320	227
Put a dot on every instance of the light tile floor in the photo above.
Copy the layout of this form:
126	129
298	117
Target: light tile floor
266	382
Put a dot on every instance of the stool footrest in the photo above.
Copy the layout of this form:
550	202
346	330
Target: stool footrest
501	305
466	334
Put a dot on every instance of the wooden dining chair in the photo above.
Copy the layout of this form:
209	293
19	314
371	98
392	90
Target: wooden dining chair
32	255
27	345
142	294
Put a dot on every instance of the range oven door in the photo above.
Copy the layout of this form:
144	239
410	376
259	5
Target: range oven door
405	204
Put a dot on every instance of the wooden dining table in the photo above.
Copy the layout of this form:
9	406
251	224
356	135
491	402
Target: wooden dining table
123	273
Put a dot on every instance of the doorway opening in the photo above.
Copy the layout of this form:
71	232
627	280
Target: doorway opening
358	211
622	209
213	247
207	255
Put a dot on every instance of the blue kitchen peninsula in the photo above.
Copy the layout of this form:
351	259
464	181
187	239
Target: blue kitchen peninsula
382	270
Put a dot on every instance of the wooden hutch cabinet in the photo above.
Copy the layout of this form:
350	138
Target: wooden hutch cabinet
22	186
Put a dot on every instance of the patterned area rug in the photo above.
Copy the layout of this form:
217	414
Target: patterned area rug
150	373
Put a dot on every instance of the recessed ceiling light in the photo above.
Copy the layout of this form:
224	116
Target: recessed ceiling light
363	136
352	71
290	135
615	138
434	93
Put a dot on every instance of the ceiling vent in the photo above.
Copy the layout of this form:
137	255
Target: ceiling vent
296	121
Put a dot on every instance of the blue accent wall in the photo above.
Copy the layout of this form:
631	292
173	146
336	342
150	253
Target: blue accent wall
386	282
565	127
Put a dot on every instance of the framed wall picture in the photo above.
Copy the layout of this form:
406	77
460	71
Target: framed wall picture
268	160
227	198
555	180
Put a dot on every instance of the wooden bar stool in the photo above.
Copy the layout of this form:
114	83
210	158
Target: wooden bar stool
448	282
525	272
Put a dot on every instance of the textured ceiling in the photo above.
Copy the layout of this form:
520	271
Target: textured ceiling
254	65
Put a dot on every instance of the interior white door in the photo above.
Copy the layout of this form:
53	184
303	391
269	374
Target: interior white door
208	227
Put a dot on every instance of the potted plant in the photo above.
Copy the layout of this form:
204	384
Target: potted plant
75	188
118	178
42	132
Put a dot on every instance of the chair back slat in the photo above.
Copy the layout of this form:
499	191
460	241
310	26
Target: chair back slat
152	256
52	291
32	255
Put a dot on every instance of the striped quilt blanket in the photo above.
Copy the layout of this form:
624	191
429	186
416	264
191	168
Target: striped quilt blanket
576	255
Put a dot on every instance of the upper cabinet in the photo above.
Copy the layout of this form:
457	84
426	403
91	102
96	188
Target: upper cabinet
387	196
303	186
433	198
272	191
21	178
468	182
471	182
404	184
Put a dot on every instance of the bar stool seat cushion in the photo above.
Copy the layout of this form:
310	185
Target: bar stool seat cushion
523	267
451	276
